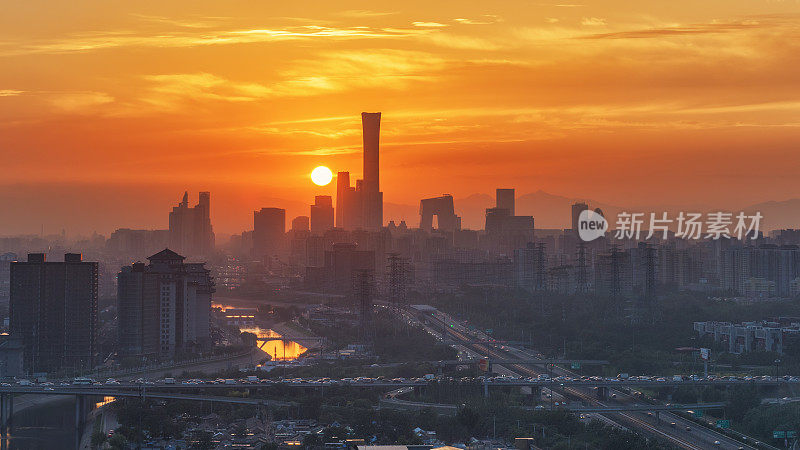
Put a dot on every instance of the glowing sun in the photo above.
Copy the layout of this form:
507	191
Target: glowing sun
321	175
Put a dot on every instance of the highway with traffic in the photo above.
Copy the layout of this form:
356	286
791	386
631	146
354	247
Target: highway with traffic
670	427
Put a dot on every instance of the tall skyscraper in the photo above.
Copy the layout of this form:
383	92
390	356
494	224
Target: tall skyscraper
506	231
361	206
577	209
300	223
269	229
53	309
441	207
496	219
321	214
5	276
504	198
163	307
342	186
190	230
372	197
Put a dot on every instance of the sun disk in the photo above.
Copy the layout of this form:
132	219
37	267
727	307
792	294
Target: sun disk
321	175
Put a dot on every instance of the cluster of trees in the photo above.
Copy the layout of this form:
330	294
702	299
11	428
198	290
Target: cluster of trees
352	415
142	420
549	429
637	337
761	421
394	340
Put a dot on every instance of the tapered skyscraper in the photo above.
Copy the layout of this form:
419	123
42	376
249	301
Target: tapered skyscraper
190	230
372	197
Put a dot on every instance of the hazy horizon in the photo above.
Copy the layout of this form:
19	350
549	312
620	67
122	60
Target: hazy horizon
102	209
115	110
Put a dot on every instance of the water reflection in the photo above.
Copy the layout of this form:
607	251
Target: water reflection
106	400
271	343
46	426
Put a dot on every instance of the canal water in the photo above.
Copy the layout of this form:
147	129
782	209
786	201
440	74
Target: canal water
272	343
43	427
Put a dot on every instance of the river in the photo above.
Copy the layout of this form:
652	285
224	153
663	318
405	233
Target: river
47	426
271	343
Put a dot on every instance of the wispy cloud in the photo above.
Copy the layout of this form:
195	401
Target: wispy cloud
486	19
99	40
10	92
706	28
199	22
429	24
458	41
168	90
360	13
343	70
74	102
329	73
593	21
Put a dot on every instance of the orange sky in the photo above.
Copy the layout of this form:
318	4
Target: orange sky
649	102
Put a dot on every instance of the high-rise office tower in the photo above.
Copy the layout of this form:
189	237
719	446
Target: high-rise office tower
163	307
348	203
441	207
5	276
496	218
351	209
504	198
361	206
190	230
577	209
53	309
321	214
372	197
342	185
269	228
506	231
300	223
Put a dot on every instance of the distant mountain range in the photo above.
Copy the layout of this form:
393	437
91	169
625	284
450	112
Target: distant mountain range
777	214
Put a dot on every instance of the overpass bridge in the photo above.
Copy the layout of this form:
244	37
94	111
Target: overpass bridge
523	361
450	409
645	407
209	391
119	388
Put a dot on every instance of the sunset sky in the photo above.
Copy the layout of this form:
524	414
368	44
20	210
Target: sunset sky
110	110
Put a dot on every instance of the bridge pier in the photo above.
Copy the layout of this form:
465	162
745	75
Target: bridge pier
6	412
3	414
80	418
10	416
602	393
532	394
